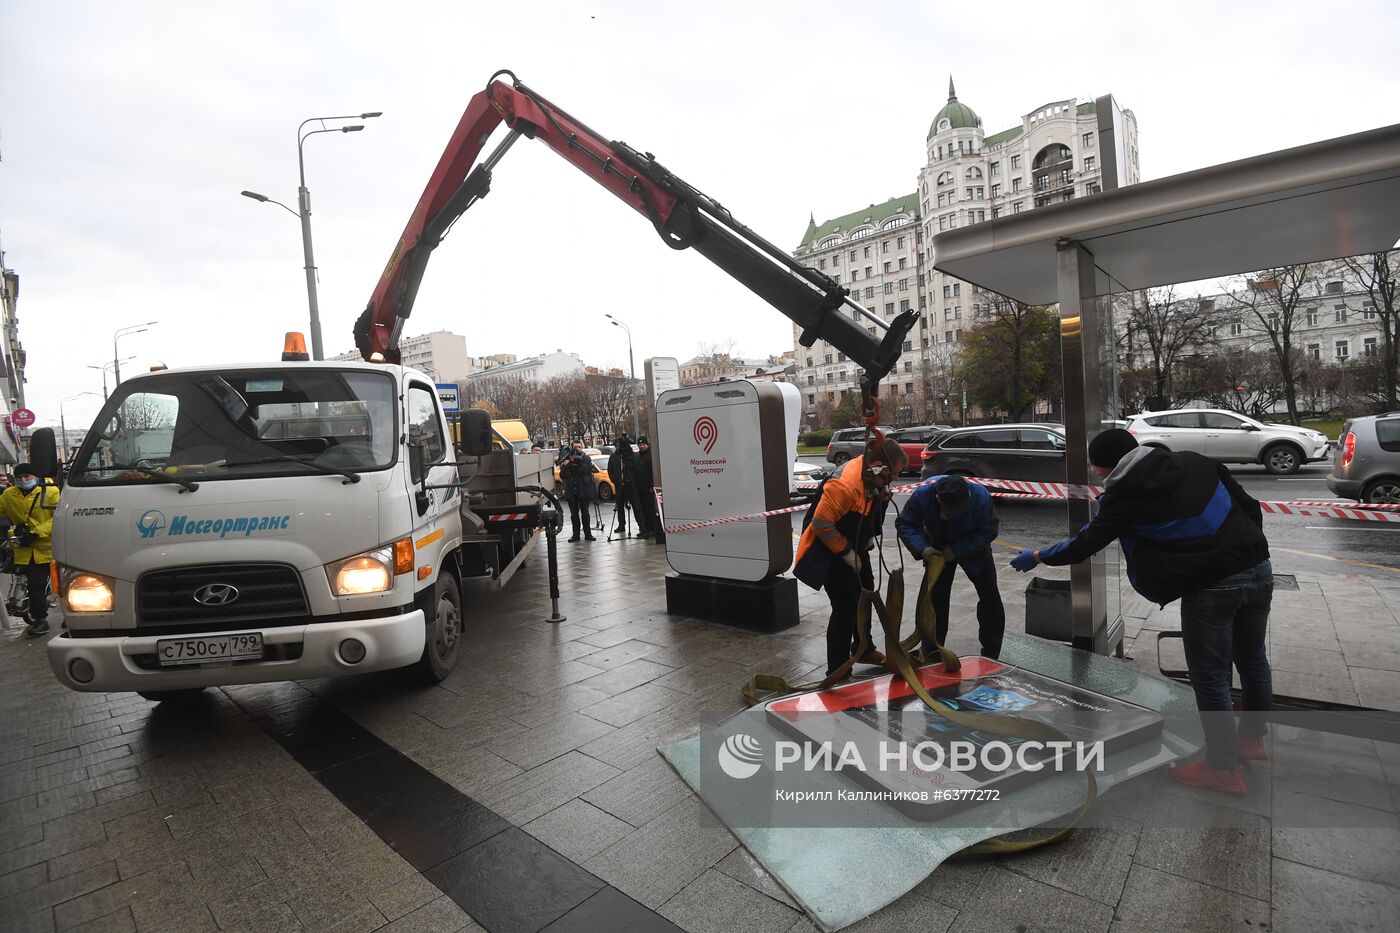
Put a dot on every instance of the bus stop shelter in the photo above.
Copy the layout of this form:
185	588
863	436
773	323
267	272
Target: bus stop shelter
1321	201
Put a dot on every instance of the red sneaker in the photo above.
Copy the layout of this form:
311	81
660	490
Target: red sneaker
1201	774
1253	749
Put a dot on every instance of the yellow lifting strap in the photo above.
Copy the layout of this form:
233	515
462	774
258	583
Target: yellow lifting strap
902	658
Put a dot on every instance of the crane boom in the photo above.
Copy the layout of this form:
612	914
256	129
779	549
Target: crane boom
683	216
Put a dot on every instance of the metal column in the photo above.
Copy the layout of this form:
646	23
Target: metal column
1080	339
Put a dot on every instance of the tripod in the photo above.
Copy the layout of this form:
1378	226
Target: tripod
620	529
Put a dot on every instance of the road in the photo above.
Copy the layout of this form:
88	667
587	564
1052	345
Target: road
1298	544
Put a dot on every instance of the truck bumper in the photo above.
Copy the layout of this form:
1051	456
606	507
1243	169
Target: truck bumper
125	662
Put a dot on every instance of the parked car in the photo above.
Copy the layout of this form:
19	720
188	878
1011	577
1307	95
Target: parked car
806	473
1228	437
998	451
915	439
847	443
1368	460
606	492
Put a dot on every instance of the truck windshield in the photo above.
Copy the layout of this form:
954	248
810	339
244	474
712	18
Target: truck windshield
237	424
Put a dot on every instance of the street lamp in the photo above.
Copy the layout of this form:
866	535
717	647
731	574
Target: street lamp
304	212
632	369
106	367
124	332
63	423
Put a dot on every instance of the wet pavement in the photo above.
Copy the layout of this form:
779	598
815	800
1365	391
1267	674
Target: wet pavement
525	793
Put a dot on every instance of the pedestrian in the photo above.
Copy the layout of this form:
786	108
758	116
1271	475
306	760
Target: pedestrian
29	506
834	551
954	519
643	495
576	472
1190	532
620	467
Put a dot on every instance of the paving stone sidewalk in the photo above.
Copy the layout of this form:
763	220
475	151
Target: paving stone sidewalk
119	815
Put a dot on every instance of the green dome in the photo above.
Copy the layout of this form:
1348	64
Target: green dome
958	114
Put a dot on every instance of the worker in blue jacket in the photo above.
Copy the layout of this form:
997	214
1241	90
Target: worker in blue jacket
955	519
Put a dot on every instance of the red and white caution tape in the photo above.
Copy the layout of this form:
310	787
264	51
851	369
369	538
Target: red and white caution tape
1022	489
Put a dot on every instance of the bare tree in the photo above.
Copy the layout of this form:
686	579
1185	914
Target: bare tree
1246	381
1272	302
1161	330
1378	275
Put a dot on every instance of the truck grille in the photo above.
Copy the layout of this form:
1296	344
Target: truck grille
263	591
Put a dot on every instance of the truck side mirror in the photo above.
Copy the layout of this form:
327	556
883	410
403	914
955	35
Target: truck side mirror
474	433
43	452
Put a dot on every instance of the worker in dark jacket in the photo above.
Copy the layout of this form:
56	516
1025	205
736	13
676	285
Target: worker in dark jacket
643	496
834	551
621	465
580	489
1190	532
955	519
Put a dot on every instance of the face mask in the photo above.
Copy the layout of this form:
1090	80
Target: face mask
27	485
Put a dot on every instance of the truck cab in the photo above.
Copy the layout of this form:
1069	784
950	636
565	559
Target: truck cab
282	521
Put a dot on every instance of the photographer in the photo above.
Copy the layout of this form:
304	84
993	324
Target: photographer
576	473
29	506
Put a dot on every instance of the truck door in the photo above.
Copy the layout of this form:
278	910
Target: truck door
436	522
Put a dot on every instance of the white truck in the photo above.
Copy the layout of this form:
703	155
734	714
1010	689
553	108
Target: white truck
301	520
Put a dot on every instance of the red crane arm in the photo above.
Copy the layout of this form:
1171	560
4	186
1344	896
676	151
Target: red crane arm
682	215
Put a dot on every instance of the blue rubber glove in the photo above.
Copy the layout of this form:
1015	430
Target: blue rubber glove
1024	561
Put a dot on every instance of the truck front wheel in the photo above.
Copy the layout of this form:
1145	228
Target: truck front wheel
444	633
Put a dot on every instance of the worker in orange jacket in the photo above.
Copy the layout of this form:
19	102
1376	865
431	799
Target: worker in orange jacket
834	552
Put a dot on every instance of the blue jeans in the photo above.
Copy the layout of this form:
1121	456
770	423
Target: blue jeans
1226	624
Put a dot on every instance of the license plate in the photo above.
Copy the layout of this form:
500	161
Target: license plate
213	648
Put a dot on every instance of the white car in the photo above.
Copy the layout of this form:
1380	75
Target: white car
806	475
1230	438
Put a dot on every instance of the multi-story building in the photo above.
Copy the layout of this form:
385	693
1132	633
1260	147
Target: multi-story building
541	368
441	354
12	379
479	363
882	253
712	368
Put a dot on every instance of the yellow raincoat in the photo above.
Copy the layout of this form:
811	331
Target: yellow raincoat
35	509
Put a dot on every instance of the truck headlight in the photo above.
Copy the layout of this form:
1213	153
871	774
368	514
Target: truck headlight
86	592
370	572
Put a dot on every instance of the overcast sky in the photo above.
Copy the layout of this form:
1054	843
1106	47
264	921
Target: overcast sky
128	130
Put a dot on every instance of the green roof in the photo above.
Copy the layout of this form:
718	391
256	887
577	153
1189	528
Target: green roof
957	114
1088	108
874	214
996	139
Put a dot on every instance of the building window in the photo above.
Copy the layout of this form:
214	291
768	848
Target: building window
1088	140
886	268
996	169
903	262
866	251
830	377
1093	188
923	341
840	357
1334	288
904	285
1236	328
996	190
904	305
947	291
908	345
869	291
869	272
853	255
1015	162
1312	317
923	302
828	359
884	246
855	274
957	313
908	366
1088	163
908	387
889	309
811	400
1016	184
811	380
947	314
1315	351
821	263
809	361
1340	313
1368	310
957	289
835	260
1016	208
1067	196
1343	349
947	336
1368	346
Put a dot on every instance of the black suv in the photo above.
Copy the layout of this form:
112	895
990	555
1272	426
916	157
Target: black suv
1033	452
